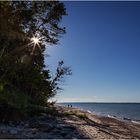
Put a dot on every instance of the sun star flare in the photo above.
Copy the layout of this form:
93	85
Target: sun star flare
35	41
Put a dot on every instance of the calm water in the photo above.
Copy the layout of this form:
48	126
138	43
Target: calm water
120	110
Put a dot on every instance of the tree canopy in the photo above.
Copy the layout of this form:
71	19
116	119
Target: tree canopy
24	79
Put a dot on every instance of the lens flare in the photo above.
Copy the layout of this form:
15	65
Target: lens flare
35	41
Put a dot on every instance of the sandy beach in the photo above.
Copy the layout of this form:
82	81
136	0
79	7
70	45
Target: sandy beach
94	126
71	123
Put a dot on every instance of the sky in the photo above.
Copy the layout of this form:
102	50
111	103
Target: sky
102	47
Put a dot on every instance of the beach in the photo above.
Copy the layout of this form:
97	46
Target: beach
100	127
71	123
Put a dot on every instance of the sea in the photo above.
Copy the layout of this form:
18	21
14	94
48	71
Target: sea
123	111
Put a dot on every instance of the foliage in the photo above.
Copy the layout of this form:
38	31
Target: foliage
24	80
76	113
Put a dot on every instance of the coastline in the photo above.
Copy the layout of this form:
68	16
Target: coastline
121	111
71	123
103	127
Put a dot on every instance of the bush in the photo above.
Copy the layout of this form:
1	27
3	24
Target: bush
13	105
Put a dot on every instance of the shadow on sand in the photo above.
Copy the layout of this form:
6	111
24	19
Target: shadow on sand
41	127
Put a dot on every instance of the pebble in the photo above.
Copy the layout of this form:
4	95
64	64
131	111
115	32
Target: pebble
39	127
13	131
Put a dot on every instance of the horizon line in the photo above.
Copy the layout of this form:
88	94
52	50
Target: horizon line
98	102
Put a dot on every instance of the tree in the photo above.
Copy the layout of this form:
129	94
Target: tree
23	77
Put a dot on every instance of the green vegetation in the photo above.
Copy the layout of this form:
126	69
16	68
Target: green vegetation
25	82
69	113
76	113
82	116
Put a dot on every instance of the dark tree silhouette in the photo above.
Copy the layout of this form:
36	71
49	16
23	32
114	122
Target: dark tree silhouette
24	80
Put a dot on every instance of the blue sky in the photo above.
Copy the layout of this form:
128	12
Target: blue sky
102	46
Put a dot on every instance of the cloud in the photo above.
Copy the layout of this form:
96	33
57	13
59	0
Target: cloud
71	99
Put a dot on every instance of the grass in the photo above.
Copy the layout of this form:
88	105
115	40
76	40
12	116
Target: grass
82	116
76	113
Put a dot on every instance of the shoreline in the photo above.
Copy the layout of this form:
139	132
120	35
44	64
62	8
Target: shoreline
113	127
125	119
71	123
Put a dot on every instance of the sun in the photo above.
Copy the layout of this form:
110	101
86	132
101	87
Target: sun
35	42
